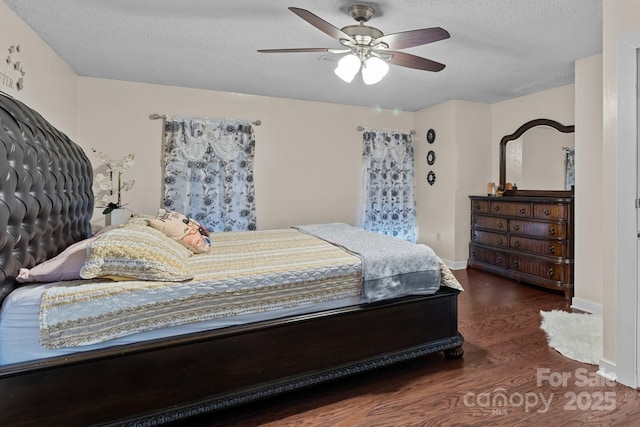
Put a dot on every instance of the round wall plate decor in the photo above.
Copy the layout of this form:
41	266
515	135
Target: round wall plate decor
431	177
431	136
431	157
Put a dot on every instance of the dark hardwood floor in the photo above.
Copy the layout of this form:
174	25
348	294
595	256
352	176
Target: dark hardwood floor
507	377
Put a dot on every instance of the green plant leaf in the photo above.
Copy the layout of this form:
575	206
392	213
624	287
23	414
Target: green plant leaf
110	207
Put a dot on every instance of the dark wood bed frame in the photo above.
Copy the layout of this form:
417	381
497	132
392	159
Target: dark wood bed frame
162	381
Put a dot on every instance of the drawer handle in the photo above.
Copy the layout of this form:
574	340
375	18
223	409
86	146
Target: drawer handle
552	250
547	211
550	272
475	236
515	263
552	231
478	207
523	211
516	244
496	208
516	227
500	225
499	260
500	241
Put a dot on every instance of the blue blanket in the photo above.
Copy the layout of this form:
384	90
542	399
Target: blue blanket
391	267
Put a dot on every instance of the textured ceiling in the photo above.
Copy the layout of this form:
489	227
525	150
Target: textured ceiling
499	49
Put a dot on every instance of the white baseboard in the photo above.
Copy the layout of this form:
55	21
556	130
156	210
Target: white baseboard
607	370
586	306
453	265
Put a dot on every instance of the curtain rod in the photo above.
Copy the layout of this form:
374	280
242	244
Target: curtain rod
163	117
360	129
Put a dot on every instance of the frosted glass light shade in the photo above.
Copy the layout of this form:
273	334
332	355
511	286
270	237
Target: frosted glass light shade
348	67
373	70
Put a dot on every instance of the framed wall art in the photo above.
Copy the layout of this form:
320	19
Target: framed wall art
431	136
431	157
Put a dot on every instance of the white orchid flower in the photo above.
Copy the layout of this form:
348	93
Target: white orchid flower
103	182
112	183
128	185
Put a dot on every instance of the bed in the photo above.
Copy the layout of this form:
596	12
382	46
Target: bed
56	369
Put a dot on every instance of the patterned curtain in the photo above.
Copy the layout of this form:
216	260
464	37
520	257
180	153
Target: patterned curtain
388	206
570	168
208	172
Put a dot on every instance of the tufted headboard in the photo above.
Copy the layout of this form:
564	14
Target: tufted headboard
46	200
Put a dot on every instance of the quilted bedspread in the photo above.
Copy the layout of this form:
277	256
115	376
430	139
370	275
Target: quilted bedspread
244	272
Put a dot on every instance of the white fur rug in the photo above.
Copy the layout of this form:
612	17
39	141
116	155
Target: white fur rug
574	335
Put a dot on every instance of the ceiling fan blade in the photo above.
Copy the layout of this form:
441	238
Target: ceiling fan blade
412	61
321	24
413	38
294	50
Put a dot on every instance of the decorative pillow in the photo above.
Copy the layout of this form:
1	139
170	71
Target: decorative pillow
64	266
138	252
447	278
183	230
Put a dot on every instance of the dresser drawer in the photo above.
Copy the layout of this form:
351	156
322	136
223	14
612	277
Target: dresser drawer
551	211
479	206
489	222
488	256
544	230
533	267
522	210
490	239
556	248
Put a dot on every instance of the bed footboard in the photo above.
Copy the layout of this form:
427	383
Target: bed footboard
160	382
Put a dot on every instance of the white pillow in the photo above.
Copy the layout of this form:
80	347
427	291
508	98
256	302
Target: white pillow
64	266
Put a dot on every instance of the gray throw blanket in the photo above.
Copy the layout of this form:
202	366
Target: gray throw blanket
391	267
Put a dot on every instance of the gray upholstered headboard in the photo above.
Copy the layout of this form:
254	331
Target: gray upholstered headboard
46	200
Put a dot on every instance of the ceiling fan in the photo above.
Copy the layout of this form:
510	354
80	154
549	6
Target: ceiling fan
367	48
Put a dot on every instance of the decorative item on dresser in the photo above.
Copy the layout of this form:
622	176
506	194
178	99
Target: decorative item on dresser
529	239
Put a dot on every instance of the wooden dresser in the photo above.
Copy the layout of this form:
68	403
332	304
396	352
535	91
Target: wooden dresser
529	239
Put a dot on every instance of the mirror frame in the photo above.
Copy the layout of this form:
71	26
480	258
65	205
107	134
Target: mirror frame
517	134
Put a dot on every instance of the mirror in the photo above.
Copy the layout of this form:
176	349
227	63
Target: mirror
538	157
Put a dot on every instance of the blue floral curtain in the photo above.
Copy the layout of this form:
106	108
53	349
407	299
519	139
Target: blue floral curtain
208	172
388	205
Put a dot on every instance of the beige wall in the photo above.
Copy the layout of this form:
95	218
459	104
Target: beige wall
589	236
50	86
308	160
463	157
474	150
435	203
308	154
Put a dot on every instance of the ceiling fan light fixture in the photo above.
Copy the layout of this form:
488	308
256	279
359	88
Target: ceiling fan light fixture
368	50
373	70
348	67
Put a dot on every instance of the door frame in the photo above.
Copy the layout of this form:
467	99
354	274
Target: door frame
627	242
